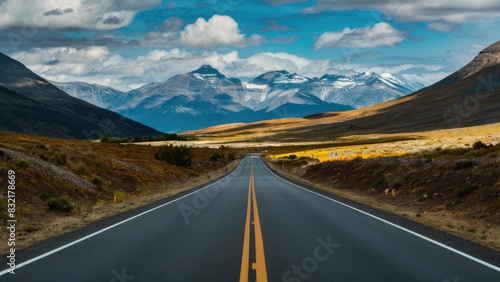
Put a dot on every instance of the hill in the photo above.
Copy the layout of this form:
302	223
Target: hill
32	105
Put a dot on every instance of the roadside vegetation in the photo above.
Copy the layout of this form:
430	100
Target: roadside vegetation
165	137
65	184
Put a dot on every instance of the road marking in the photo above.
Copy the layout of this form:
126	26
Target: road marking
245	258
115	225
489	265
260	260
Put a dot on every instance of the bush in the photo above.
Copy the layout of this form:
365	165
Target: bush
464	164
62	159
377	183
292	157
479	145
98	181
181	156
61	204
23	164
468	187
216	157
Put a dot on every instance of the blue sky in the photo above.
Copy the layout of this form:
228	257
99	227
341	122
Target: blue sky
127	43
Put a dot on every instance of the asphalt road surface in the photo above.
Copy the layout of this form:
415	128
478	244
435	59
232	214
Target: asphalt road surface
255	226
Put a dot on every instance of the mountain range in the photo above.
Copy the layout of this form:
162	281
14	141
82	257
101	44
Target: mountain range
30	104
468	97
206	97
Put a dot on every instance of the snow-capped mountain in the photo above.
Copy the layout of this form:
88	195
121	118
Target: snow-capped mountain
99	95
206	97
361	90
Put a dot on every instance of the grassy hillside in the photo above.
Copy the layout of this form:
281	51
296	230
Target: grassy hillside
63	184
455	190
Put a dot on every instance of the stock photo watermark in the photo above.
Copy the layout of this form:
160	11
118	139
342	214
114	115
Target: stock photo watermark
121	276
463	109
201	200
11	222
309	265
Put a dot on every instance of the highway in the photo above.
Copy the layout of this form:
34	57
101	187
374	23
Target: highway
255	226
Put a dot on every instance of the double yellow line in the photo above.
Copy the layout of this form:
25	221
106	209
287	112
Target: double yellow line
260	261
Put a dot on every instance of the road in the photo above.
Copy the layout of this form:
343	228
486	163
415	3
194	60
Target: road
255	226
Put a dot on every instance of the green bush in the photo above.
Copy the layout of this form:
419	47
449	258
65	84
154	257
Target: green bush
292	157
216	157
176	155
97	181
62	159
468	187
377	183
464	164
61	204
165	137
23	164
479	145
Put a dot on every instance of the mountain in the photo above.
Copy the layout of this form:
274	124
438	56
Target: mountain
95	94
32	105
357	91
489	56
471	98
206	97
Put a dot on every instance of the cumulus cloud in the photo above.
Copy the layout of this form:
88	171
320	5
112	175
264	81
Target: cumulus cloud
71	14
381	34
217	31
424	10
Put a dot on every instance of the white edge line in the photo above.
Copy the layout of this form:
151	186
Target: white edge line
494	267
114	225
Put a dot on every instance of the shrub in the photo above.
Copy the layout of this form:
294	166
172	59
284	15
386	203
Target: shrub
97	181
178	155
479	145
464	164
292	157
61	204
377	183
468	187
62	159
216	157
23	164
83	169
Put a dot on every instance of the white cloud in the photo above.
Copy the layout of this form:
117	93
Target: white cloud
70	14
442	26
454	11
381	34
217	31
102	66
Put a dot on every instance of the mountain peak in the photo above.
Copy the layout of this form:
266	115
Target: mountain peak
207	69
492	49
278	76
489	56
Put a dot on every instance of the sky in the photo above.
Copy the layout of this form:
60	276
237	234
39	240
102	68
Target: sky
127	43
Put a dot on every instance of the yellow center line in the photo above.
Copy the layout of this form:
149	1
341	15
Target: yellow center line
245	258
260	261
